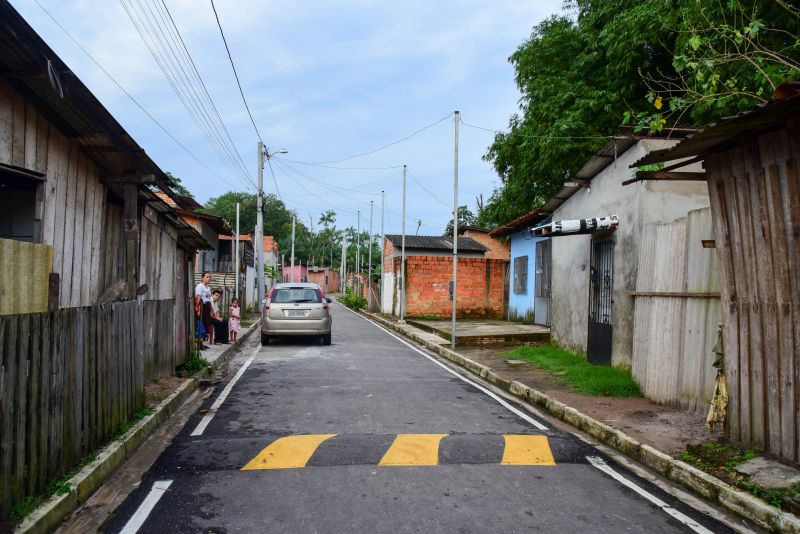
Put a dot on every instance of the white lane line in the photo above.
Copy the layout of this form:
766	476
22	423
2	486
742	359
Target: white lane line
201	426
686	520
503	403
140	516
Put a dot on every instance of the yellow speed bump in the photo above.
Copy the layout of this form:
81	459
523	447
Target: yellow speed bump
527	450
413	449
287	452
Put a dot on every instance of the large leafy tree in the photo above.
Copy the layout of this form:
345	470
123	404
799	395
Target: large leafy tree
577	74
656	63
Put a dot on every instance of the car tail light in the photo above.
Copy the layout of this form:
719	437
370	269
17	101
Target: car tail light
322	298
269	299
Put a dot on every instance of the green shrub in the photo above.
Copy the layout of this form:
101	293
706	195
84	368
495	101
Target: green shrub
195	363
351	300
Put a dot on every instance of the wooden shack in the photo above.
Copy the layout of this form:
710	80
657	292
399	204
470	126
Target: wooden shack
752	164
95	275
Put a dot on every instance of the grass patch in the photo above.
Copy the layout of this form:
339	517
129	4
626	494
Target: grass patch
584	377
720	460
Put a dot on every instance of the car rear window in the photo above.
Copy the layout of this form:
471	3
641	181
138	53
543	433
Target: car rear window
295	294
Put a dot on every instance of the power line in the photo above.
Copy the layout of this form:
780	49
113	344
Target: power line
241	92
343	168
132	99
536	136
200	79
274	180
431	125
169	61
434	197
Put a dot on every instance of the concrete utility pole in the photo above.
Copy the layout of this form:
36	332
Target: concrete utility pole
283	267
236	254
403	253
455	233
258	245
383	239
358	243
291	275
369	267
343	266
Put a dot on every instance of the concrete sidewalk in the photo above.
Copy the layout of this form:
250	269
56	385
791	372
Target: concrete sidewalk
483	331
219	354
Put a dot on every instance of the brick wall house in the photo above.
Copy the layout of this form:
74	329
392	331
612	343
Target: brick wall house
429	269
327	278
498	249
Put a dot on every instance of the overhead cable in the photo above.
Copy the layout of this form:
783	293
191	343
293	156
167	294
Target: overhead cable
431	125
136	102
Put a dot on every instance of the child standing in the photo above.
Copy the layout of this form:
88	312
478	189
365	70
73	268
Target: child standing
199	329
233	323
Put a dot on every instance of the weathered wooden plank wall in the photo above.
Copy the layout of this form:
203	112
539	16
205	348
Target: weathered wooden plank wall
72	217
673	335
68	380
755	199
26	268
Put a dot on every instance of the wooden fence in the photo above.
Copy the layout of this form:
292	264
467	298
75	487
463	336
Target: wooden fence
68	381
755	197
676	312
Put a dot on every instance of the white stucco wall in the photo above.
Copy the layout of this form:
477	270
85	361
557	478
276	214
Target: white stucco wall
636	205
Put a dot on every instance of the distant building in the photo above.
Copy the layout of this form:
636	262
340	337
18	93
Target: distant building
327	278
429	270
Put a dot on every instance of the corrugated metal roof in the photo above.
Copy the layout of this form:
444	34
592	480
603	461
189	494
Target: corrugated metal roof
726	132
433	242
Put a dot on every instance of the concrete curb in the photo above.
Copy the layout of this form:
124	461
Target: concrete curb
226	355
699	482
49	515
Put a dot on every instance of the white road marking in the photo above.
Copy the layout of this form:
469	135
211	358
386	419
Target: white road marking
201	426
503	403
140	516
686	520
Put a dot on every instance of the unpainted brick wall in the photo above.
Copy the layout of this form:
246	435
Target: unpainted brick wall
480	287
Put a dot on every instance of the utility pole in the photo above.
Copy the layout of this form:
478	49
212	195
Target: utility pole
383	239
358	243
403	253
236	252
259	233
343	266
291	275
455	232
283	267
369	266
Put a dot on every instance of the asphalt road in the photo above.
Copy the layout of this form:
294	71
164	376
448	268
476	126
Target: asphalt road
370	435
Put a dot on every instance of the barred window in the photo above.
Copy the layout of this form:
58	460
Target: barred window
521	275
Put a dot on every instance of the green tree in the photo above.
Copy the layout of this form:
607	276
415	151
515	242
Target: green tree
729	57
577	75
178	186
465	218
653	63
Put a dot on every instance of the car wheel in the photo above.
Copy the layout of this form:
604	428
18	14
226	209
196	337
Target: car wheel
264	339
326	339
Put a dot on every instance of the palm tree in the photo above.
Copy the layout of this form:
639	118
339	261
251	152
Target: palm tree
328	218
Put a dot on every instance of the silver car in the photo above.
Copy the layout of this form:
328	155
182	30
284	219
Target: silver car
296	309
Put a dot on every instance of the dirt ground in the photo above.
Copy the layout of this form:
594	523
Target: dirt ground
157	391
666	428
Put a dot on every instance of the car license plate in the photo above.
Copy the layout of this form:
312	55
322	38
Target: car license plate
295	313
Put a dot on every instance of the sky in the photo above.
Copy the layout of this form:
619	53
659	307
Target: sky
325	81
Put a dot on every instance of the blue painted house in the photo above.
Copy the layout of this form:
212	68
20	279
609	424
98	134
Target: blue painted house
529	270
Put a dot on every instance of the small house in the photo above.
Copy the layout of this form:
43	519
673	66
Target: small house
640	292
327	278
428	276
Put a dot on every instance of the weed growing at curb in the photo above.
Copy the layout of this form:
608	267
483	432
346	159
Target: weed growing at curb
584	377
353	301
720	460
195	364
